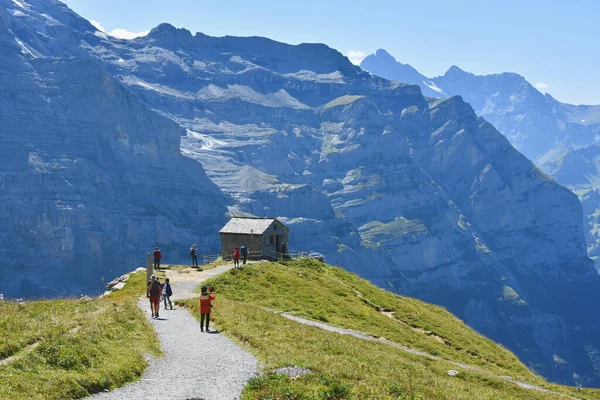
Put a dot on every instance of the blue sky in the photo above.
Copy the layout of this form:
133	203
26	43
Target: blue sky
554	44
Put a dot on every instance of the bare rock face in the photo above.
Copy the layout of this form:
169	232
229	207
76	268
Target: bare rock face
420	196
562	139
91	178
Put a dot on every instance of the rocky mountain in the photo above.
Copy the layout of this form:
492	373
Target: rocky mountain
562	139
91	178
536	124
385	65
419	195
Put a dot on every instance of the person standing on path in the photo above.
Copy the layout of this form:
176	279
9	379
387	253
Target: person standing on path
205	306
194	254
167	293
236	258
244	251
157	258
153	293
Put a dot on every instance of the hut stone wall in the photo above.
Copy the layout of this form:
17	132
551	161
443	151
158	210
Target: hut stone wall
273	238
230	241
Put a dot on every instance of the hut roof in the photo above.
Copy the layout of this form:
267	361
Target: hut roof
248	226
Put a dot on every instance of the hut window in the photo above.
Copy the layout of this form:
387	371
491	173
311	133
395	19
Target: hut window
272	240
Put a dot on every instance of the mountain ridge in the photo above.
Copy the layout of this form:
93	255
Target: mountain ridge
366	171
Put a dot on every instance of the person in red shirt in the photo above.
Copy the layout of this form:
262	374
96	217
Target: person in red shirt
157	257
205	306
236	257
153	291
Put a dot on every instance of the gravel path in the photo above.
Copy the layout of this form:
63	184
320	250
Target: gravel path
184	285
360	335
196	364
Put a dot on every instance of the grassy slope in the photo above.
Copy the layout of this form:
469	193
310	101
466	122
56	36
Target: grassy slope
348	367
83	346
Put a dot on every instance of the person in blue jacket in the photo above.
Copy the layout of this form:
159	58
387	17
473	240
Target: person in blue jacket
167	293
244	252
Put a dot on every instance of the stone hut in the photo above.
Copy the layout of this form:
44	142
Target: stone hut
263	236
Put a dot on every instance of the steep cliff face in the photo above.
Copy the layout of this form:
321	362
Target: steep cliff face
560	138
90	178
419	196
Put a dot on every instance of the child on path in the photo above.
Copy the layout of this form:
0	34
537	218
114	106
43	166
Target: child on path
205	306
236	258
157	257
167	293
194	254
153	291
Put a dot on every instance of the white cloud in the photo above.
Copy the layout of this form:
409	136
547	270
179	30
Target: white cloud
119	32
125	34
541	86
356	56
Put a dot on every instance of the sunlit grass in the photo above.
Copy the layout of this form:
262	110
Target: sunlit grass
71	348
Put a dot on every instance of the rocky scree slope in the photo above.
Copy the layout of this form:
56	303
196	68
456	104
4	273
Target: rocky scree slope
417	195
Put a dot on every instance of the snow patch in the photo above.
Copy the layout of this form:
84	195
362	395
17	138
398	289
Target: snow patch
24	48
433	87
101	35
145	85
17	13
23	6
206	142
49	18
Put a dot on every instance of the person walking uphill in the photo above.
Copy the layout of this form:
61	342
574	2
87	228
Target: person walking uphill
153	291
157	258
194	254
205	306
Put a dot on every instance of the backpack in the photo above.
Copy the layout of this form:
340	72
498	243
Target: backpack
244	250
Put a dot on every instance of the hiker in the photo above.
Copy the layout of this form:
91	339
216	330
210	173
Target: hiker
244	251
153	292
167	293
194	254
205	306
236	258
283	248
157	257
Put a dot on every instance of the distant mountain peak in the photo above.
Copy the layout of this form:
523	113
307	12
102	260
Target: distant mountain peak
382	53
385	65
456	70
166	29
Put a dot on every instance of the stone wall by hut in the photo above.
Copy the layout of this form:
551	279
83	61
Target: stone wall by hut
264	237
